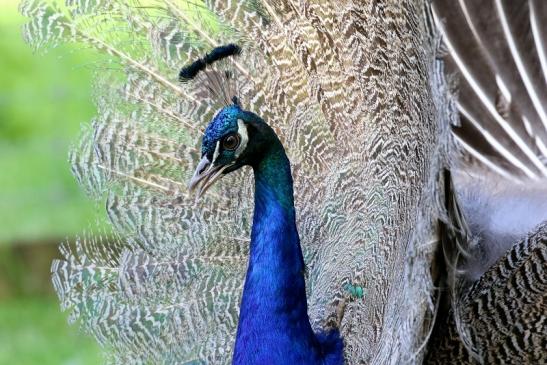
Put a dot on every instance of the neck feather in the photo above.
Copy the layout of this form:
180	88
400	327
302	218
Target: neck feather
273	306
276	257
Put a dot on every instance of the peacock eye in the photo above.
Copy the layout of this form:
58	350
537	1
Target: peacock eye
231	142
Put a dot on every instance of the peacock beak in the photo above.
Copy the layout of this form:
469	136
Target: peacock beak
205	176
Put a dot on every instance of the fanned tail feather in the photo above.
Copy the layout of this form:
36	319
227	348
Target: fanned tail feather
351	100
168	290
496	49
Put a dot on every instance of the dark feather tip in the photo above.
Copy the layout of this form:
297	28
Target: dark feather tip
190	71
222	52
217	54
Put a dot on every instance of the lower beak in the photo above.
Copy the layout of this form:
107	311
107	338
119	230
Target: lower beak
205	176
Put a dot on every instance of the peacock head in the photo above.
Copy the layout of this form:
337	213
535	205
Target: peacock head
234	138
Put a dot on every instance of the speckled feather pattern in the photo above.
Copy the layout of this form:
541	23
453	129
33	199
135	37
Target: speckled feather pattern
356	94
502	315
345	85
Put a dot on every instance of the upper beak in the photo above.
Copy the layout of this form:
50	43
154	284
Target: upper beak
205	176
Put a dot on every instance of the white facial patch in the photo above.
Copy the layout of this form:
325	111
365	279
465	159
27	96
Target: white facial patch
242	131
215	154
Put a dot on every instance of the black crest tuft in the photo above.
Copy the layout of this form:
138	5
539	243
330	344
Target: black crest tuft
218	53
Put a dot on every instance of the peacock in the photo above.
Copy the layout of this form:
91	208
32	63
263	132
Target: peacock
406	125
274	327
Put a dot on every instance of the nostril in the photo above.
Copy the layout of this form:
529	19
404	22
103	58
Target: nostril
202	167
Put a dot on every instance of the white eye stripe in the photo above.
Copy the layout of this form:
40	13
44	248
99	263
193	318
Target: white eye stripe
242	131
215	154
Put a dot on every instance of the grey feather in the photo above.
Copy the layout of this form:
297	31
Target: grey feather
493	309
496	50
501	317
499	214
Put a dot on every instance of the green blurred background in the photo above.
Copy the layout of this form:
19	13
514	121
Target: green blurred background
44	99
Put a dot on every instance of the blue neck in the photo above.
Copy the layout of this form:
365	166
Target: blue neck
273	313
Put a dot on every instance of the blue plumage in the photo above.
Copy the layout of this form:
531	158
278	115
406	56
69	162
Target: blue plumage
225	122
274	326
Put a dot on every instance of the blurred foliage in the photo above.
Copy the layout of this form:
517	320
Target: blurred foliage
43	101
34	331
24	269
